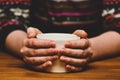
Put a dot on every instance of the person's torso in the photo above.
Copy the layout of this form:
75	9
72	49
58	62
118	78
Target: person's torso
67	15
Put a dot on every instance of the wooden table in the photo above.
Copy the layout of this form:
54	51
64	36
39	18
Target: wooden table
12	68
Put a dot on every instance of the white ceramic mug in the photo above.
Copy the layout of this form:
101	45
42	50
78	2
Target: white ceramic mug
59	38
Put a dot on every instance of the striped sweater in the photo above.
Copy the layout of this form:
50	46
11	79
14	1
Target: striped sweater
94	16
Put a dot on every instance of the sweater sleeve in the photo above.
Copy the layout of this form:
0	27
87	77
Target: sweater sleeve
111	15
14	15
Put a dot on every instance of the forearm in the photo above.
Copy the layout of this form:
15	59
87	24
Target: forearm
105	45
14	41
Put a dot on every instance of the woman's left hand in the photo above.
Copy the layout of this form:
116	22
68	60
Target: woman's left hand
77	53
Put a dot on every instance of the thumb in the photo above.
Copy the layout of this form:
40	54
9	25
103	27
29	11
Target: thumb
32	32
81	33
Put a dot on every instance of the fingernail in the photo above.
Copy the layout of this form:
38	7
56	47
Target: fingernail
29	30
62	58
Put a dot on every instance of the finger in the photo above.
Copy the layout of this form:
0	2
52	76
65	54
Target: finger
32	32
76	53
82	43
39	60
38	43
74	61
38	52
43	66
71	68
81	33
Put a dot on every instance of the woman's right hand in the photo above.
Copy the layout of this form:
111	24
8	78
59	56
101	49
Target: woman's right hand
38	53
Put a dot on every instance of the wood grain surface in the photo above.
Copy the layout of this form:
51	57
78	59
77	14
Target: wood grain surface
12	68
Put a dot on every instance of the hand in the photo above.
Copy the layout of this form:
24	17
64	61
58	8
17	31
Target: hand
38	53
76	53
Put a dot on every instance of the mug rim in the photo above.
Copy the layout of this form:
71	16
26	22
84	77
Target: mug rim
62	36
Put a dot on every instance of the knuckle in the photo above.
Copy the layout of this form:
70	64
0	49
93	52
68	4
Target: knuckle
83	62
69	60
49	58
35	51
82	53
